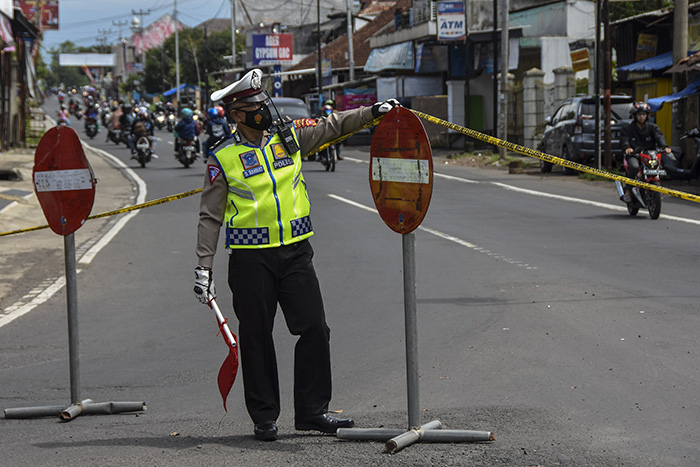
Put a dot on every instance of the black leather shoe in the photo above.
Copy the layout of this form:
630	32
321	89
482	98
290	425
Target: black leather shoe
324	423
265	430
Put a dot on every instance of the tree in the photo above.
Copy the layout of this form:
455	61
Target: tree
620	10
69	76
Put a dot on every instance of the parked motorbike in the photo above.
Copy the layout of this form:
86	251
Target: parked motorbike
143	150
649	171
187	151
91	127
673	164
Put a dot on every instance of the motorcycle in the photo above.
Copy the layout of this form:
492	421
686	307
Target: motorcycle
160	120
649	171
143	150
329	157
187	151
78	112
114	134
91	127
171	121
673	165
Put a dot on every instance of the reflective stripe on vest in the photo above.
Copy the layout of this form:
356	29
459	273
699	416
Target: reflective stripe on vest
267	204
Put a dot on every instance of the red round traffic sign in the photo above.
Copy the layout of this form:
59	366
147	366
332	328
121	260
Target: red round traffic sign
401	170
63	180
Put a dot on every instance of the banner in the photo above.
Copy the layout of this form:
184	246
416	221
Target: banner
33	10
273	49
155	34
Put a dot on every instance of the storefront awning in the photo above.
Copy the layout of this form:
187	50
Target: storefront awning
183	87
657	102
660	62
394	57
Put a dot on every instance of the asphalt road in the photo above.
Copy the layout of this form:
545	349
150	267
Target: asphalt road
549	316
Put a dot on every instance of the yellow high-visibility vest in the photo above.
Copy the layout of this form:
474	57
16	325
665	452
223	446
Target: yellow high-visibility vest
267	204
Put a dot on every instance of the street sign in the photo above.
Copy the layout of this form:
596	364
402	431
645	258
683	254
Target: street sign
273	49
401	170
451	21
580	60
63	180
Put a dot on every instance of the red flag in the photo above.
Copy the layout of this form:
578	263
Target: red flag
229	369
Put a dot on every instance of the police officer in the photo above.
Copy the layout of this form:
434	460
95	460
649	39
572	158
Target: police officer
254	185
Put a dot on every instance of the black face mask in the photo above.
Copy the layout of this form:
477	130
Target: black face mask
260	119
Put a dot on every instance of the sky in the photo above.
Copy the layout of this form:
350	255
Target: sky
84	21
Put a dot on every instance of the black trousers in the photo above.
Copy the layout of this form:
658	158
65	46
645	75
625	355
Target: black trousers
259	280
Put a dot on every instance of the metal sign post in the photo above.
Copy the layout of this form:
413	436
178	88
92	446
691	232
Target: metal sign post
401	180
65	186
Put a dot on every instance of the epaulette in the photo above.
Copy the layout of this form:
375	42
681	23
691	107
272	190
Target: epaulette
304	122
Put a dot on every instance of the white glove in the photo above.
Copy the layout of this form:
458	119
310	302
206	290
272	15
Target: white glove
204	284
380	108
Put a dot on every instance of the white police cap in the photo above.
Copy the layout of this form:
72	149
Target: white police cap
247	89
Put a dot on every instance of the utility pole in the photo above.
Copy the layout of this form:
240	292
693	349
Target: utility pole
351	56
596	84
121	24
494	90
680	51
319	72
607	85
233	33
102	39
139	28
177	58
504	76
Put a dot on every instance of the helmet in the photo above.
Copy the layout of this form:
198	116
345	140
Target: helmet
330	102
641	107
327	110
186	113
220	110
212	113
143	113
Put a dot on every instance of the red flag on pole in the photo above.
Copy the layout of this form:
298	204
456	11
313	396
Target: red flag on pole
229	369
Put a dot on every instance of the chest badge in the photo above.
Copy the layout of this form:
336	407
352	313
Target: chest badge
281	159
251	164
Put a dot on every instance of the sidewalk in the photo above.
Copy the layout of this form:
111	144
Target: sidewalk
31	258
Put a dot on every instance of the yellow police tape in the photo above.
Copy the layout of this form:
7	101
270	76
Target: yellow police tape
466	131
553	159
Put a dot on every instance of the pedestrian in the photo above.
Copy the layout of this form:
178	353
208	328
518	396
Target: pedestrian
254	184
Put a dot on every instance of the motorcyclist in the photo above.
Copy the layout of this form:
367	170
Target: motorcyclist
216	128
186	128
142	126
92	112
639	135
63	116
329	108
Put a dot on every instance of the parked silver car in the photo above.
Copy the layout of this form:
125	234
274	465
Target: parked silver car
570	132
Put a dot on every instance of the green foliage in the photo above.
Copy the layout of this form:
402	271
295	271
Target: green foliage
69	76
619	10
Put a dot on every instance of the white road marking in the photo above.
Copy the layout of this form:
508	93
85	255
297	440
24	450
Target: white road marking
49	287
611	207
445	236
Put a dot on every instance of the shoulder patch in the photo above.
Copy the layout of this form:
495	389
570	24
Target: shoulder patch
304	122
213	171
